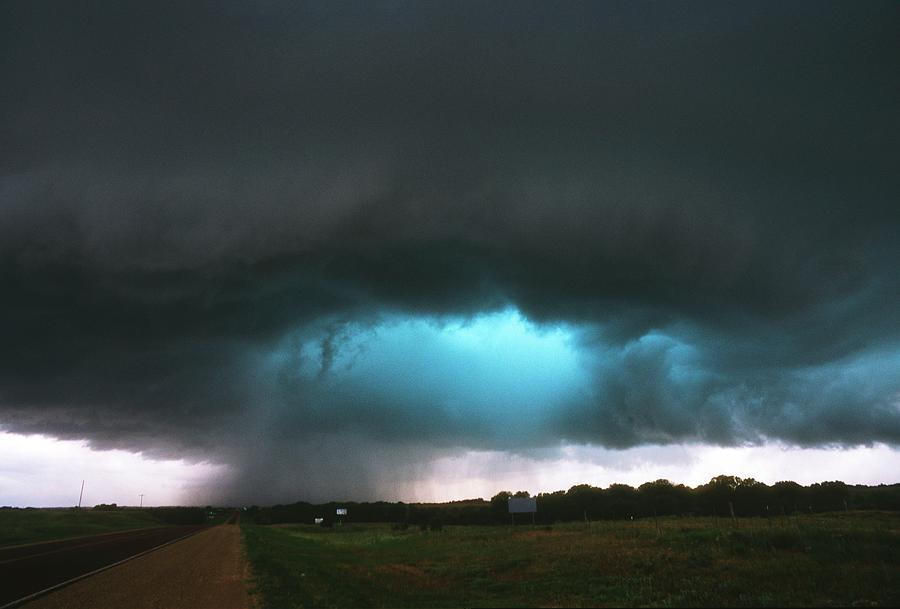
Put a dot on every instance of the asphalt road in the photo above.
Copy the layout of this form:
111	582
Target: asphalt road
28	569
204	571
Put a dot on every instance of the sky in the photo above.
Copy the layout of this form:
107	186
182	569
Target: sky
262	252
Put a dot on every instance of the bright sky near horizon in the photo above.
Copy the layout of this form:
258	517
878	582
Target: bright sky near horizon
41	472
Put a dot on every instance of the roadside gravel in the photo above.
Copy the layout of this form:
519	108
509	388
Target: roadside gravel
207	570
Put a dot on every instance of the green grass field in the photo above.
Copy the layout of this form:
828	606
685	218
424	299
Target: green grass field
33	525
832	559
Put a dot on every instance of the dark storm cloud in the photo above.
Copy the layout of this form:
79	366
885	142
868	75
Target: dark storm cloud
708	190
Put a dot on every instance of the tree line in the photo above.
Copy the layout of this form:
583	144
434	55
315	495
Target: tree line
722	496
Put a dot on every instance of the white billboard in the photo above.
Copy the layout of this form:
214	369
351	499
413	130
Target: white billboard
522	505
341	511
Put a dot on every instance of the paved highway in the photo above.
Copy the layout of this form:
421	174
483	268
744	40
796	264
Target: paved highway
27	569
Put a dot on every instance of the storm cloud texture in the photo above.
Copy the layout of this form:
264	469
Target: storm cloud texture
323	243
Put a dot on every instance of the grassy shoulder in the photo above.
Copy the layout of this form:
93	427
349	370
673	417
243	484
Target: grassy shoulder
832	559
19	526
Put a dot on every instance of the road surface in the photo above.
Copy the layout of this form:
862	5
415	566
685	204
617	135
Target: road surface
204	571
27	569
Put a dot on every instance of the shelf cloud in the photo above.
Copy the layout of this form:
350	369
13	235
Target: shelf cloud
324	243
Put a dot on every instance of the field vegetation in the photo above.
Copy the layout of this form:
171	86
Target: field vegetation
32	525
29	525
833	559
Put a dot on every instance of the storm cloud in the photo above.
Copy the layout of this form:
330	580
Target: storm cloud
257	232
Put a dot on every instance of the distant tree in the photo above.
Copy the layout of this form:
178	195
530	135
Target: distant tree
623	501
500	507
661	497
828	496
584	501
751	498
787	496
715	496
551	507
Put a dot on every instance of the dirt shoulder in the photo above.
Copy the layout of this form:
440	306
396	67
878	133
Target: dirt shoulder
205	570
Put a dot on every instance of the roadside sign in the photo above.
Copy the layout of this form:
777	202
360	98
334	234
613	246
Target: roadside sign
522	505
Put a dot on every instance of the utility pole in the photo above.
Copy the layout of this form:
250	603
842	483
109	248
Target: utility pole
81	493
142	499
